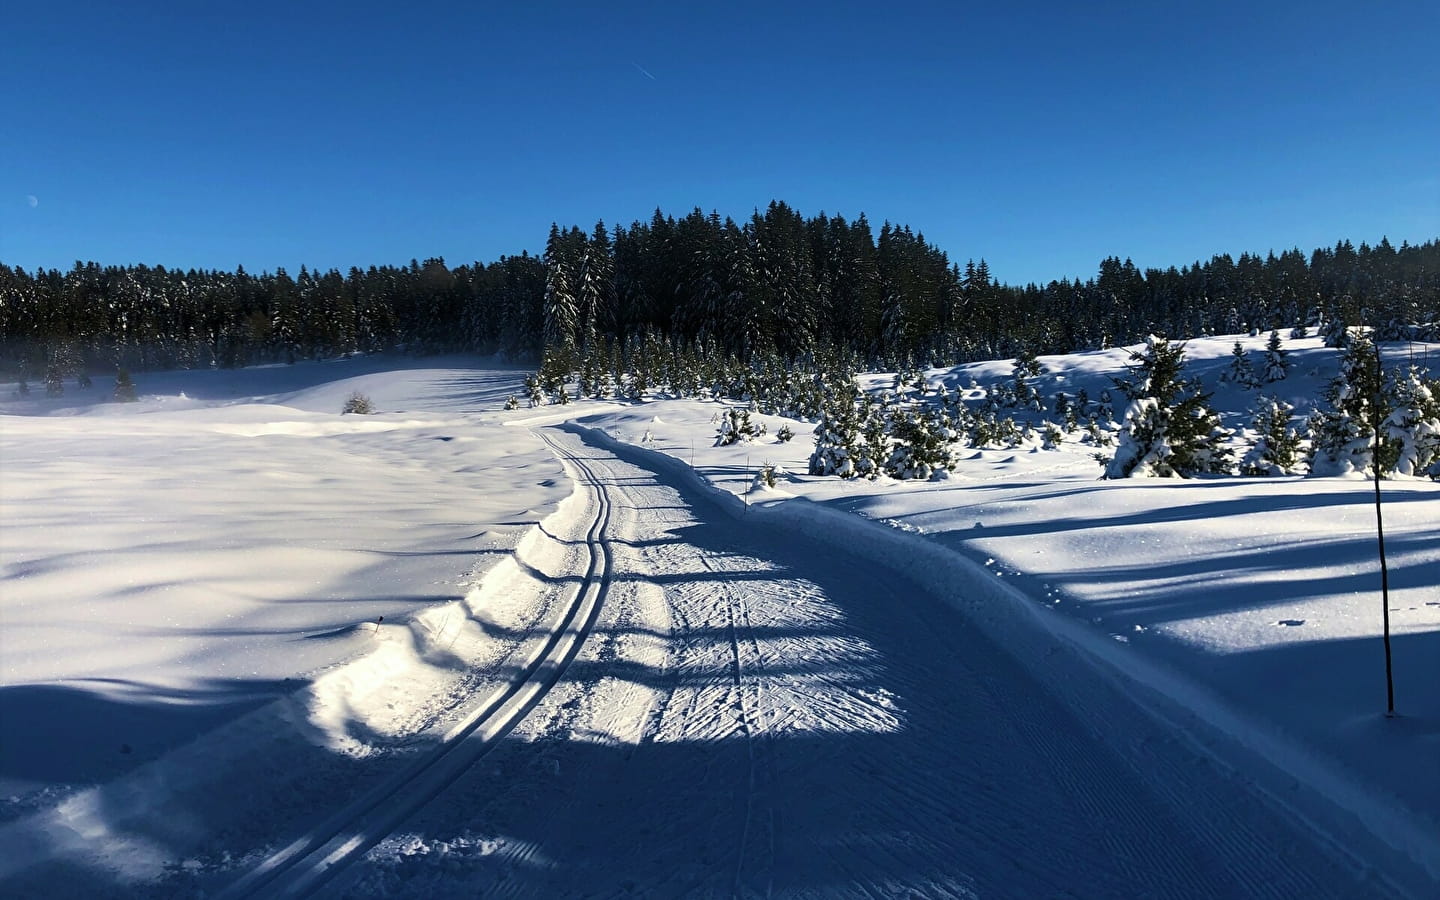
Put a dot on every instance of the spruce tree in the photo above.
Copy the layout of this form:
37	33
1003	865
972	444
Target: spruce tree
1278	447
1413	425
1169	429
838	439
922	445
1343	434
1276	365
124	387
54	381
1241	372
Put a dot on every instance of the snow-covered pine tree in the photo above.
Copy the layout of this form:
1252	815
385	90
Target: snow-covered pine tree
838	439
1342	437
1276	365
1334	331
54	380
1278	448
874	422
124	387
561	304
1169	428
1241	372
1301	329
1051	436
922	446
736	427
1413	425
533	392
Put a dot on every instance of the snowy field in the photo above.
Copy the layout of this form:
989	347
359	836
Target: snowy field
228	608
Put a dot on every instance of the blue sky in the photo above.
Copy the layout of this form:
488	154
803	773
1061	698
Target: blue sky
1040	136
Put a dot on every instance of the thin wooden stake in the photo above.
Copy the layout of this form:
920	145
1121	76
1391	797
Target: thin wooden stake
1380	536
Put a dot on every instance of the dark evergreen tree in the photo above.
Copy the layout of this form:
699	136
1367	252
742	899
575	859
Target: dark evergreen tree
124	387
1169	428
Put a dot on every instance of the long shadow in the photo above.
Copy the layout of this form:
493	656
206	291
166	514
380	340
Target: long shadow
1189	512
68	734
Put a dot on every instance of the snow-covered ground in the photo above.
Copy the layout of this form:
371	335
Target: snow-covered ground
194	664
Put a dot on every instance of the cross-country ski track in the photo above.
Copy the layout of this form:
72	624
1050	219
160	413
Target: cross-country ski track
306	864
757	713
665	690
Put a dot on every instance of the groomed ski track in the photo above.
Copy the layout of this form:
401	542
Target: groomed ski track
304	866
759	712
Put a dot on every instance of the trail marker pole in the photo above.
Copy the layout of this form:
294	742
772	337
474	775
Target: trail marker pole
1380	536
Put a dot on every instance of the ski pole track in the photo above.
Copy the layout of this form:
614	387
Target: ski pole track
304	867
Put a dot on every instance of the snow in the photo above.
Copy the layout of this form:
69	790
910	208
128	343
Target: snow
229	573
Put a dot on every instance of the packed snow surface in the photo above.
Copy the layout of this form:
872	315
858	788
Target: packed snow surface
229	612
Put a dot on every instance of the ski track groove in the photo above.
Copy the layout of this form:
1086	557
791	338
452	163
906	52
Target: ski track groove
305	866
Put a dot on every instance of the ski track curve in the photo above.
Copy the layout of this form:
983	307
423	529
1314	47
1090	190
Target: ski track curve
759	713
306	865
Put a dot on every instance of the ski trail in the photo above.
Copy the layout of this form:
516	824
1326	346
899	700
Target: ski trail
305	865
798	721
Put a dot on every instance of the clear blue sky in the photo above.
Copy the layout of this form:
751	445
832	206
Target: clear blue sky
1040	136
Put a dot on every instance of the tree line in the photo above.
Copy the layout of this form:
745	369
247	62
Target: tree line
778	284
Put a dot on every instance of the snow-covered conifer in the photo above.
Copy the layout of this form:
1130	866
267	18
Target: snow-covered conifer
922	448
1051	435
1241	372
1335	332
54	380
837	440
736	427
1276	365
533	392
1278	447
124	387
1413	425
1168	429
1342	436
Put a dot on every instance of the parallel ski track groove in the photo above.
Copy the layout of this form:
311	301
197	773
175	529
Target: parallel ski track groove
305	866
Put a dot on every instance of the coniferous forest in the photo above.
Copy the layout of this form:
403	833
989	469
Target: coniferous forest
779	284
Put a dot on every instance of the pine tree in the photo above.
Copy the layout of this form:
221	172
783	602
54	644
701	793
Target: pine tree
922	445
1241	372
736	427
1169	428
1278	447
54	381
561	306
1335	333
124	387
1343	435
1276	365
838	439
1413	425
